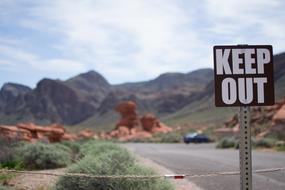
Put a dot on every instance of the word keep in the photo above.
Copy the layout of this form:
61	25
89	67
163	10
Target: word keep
247	65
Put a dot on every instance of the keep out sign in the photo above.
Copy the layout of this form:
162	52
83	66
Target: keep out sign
243	75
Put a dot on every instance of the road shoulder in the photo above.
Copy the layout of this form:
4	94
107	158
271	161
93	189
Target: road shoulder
180	184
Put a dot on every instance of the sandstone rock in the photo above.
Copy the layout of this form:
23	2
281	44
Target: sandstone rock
279	117
53	133
69	137
120	132
130	127
13	132
273	117
161	129
87	134
149	122
129	118
33	133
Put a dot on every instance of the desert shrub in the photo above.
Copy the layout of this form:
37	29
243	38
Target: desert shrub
97	147
228	142
44	156
108	159
280	148
13	164
8	151
2	187
154	184
5	178
74	146
264	143
171	137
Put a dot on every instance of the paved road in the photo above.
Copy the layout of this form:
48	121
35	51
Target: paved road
204	158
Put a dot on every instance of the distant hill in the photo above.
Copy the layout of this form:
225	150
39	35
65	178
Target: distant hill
89	100
89	96
90	87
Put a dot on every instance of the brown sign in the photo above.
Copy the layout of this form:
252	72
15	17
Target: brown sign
243	75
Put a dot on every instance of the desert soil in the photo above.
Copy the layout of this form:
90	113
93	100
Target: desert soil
35	181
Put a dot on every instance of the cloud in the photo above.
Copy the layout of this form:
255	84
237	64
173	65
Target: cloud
131	40
15	57
255	21
142	36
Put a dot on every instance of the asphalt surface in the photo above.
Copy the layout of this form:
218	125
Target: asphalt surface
204	158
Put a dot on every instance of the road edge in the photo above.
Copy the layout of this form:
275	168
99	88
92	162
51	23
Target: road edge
180	184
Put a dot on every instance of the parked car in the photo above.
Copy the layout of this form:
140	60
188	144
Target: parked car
196	138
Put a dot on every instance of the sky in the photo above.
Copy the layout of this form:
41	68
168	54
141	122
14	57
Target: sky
127	40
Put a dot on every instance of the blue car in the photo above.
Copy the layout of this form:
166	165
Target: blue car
196	138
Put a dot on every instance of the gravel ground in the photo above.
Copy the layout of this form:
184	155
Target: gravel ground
35	182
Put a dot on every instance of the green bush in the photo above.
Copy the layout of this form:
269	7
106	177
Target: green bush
108	159
5	178
264	143
2	187
74	146
280	148
12	164
228	142
44	156
171	137
97	147
8	151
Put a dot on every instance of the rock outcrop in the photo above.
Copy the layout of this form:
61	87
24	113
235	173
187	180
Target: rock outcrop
33	133
129	117
264	121
133	127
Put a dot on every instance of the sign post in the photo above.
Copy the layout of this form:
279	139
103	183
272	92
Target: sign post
245	149
244	78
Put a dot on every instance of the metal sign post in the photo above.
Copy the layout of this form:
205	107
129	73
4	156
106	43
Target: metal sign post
245	149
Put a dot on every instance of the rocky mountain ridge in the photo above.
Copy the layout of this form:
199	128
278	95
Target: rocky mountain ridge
77	99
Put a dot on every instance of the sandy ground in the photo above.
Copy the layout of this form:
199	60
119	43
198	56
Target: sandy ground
35	182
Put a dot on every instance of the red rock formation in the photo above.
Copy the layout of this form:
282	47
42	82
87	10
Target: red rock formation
53	133
130	127
129	118
271	116
149	122
33	133
13	132
87	134
69	137
279	117
152	124
278	122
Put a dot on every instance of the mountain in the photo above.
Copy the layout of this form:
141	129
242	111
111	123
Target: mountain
90	87
68	102
163	95
88	98
279	75
9	94
168	92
